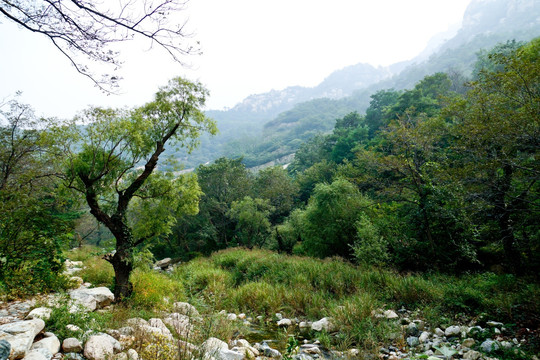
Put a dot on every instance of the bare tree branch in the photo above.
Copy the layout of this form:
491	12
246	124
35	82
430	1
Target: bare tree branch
84	30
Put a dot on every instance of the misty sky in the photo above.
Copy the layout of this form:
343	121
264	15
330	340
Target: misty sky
250	46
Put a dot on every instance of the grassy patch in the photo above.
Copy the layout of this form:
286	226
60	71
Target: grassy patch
153	290
97	271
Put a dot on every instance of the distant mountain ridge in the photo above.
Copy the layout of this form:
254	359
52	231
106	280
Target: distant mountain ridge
338	84
275	123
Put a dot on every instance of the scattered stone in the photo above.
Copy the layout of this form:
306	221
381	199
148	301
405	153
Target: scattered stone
231	317
242	316
439	332
73	328
163	264
452	331
472	355
121	356
158	324
390	314
73	356
412	330
43	313
304	325
354	352
424	337
215	348
413	341
92	299
181	324
268	351
72	345
489	346
98	347
284	322
468	343
494	324
279	316
244	347
5	349
323	324
132	354
213	344
185	308
506	344
38	354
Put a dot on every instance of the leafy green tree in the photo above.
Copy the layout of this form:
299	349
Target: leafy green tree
498	140
253	224
275	185
379	109
112	162
321	172
328	222
288	234
222	183
369	247
310	152
35	218
348	133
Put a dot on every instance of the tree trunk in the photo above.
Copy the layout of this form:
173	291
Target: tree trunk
502	213
122	260
122	265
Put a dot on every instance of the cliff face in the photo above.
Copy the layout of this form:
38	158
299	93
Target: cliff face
490	16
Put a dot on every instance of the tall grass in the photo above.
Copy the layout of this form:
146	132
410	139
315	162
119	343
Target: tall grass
264	282
260	282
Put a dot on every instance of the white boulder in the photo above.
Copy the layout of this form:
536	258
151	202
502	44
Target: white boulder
72	345
49	343
185	308
21	335
98	347
323	324
40	313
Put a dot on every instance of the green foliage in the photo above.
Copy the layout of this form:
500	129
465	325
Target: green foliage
35	217
86	321
378	112
274	185
253	224
328	224
370	247
497	131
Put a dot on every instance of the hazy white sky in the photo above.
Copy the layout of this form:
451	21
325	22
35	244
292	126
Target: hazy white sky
250	46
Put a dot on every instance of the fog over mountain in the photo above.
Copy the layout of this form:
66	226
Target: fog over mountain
275	122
